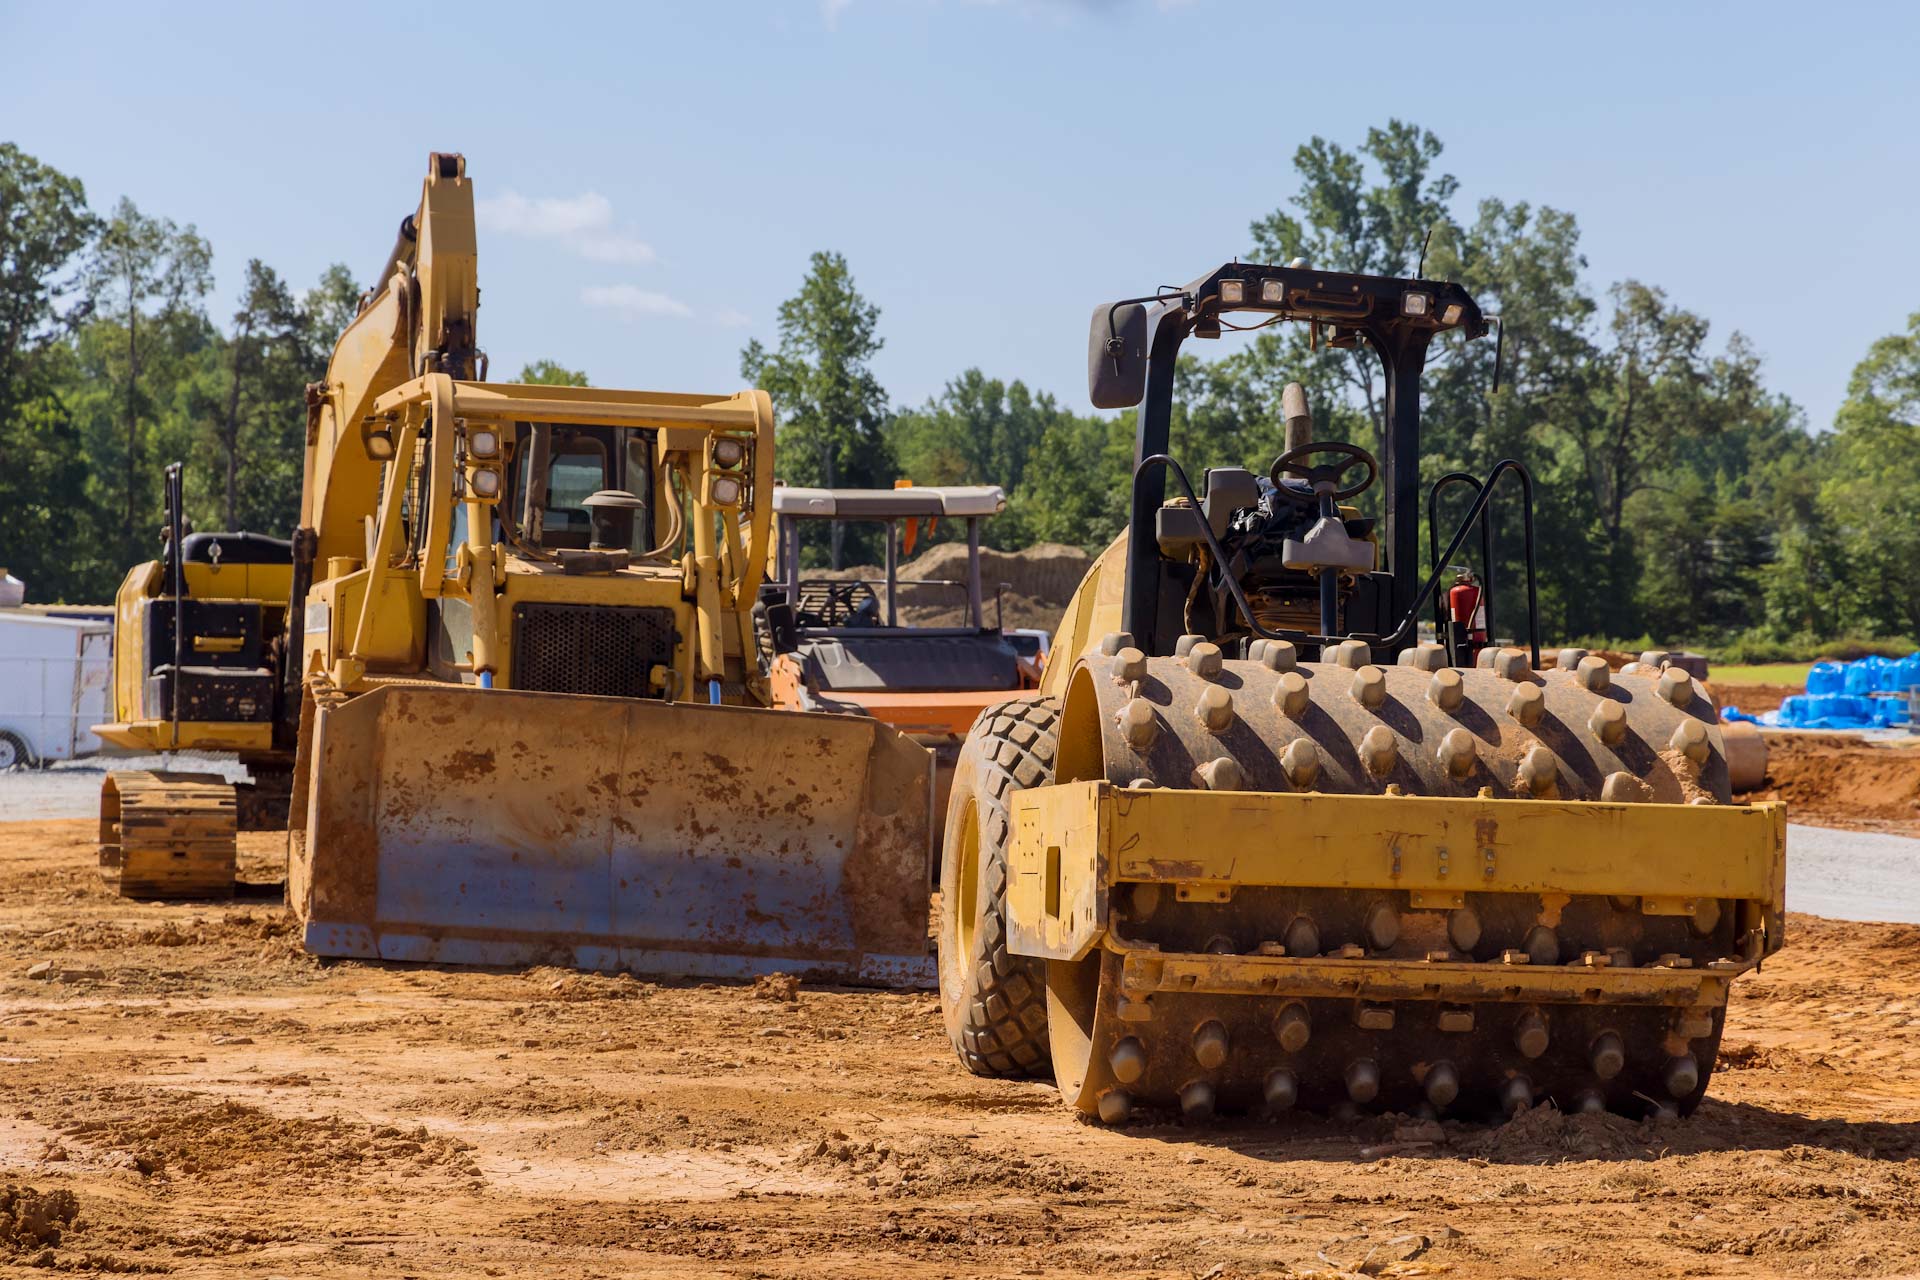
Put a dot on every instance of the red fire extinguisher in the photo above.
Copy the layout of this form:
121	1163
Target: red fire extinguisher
1469	618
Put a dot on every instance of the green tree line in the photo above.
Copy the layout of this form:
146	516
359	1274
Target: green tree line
111	366
1679	497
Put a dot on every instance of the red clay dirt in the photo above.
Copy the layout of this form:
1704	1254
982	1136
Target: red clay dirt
1840	780
1755	698
216	1103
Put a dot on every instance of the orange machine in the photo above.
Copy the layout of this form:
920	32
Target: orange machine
837	643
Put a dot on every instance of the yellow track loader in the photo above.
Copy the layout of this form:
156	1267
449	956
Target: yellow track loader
1255	846
532	725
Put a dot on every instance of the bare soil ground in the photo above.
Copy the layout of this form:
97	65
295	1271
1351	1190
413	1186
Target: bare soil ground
1754	698
1841	780
183	1091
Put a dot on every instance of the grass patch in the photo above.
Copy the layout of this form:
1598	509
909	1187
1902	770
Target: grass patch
1793	673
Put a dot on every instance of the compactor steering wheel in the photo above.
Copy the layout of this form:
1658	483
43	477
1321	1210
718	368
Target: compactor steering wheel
1294	463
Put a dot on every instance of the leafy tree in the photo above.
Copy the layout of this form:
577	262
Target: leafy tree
548	373
138	262
978	430
832	411
1076	485
1870	503
1374	220
44	226
326	311
266	340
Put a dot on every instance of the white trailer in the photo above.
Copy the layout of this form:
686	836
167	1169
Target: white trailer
54	674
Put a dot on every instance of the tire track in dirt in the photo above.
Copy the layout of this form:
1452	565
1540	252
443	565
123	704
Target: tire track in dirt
349	1120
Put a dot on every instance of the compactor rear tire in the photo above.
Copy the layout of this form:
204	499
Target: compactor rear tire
993	1001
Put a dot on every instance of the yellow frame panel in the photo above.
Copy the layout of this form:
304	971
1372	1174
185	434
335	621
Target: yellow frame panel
1072	842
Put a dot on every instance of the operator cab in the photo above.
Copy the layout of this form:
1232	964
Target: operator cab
1282	555
579	488
848	634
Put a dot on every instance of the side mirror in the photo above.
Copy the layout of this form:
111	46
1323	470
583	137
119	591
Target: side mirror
783	629
1117	356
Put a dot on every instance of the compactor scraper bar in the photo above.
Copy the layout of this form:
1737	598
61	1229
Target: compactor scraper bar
466	826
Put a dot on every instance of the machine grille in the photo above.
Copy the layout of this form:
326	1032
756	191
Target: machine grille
602	650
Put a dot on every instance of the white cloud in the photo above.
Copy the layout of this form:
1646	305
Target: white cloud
830	11
731	319
583	224
632	301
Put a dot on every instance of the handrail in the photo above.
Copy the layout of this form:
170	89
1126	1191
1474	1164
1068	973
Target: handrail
1500	468
1433	546
1408	624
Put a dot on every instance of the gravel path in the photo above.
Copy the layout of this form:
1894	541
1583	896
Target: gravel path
71	789
1853	875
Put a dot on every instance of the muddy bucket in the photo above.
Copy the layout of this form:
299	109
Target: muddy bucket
495	827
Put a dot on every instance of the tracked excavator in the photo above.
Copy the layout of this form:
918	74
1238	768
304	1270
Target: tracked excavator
198	640
1256	846
531	725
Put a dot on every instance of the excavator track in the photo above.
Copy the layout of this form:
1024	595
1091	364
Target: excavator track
168	835
1217	985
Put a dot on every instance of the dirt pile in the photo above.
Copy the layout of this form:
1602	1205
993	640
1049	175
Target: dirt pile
32	1220
1754	698
923	1166
1837	780
1047	571
1038	582
167	1133
1545	1133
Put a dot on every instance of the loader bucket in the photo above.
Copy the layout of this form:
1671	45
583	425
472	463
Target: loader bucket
497	827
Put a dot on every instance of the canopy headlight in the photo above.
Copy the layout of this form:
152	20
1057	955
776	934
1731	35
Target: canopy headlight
728	452
485	482
483	442
1451	313
725	491
1416	304
1273	291
378	439
1233	292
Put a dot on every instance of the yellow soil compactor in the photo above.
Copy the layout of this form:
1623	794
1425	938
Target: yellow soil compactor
1254	846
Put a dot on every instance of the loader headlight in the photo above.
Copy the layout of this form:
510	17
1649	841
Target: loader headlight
728	452
1416	304
1273	291
725	491
1233	292
1450	314
377	436
485	482
483	442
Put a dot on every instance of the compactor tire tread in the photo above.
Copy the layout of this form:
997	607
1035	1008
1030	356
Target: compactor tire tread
998	1024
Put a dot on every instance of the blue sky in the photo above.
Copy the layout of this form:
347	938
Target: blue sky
656	175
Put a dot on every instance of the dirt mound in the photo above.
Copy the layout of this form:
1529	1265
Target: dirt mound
1754	698
928	1165
1545	1133
1047	571
155	1131
32	1220
1834	780
782	988
1038	581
